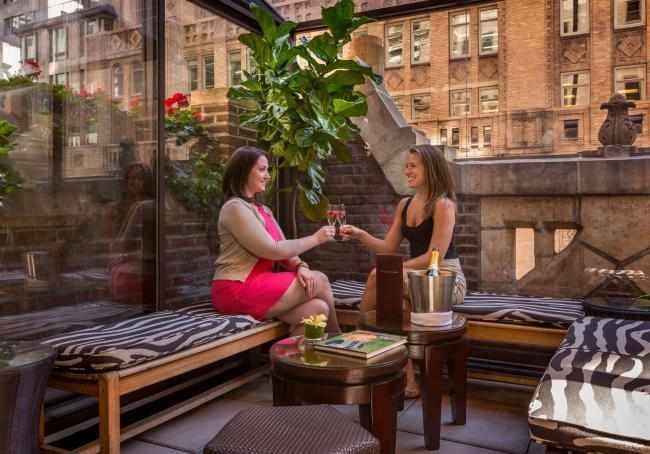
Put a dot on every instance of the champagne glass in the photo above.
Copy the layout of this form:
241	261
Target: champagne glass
336	217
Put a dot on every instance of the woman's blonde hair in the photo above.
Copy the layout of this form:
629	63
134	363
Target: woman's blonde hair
437	174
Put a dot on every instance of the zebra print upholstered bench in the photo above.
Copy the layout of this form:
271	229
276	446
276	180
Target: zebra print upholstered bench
595	393
114	359
500	327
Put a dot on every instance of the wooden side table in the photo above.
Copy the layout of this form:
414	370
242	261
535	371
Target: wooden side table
430	348
376	385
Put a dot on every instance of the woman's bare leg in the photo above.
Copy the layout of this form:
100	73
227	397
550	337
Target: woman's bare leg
369	299
294	305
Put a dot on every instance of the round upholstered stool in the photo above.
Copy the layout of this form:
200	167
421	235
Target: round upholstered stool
314	429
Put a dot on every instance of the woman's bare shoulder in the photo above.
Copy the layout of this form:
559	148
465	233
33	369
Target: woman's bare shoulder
445	203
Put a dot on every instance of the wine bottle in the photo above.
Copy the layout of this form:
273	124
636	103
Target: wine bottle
432	269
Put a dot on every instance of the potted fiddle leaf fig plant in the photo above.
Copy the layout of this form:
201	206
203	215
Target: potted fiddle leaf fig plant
301	98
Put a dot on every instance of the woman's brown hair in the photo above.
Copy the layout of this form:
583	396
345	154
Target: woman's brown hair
437	174
238	168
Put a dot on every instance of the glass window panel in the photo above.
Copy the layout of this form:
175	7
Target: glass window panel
489	99
571	129
443	136
394	45
138	78
81	223
455	136
208	71
234	67
193	74
575	89
574	17
459	40
630	81
459	102
474	136
487	136
489	32
421	42
421	107
628	13
117	81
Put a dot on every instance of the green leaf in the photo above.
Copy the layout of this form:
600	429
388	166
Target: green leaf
313	211
343	78
324	47
341	151
250	84
356	108
304	137
266	23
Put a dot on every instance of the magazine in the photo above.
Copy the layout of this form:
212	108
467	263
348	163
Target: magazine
361	344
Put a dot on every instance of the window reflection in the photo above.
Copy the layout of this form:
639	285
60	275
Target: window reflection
76	236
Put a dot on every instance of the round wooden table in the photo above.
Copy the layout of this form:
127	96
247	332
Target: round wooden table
310	376
430	347
618	307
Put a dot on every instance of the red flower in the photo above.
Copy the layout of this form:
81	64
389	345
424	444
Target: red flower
84	94
197	116
135	102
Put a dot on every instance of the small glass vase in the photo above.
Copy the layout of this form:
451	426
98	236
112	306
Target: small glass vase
314	334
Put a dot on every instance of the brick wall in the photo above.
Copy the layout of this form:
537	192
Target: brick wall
370	202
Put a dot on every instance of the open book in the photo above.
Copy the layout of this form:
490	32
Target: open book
361	344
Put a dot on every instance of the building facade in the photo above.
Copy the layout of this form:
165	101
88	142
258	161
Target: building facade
513	78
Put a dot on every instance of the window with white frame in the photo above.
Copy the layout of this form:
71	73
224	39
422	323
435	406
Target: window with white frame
628	13
459	35
420	41
458	102
421	107
60	79
208	71
137	78
488	99
571	130
28	47
399	103
394	45
575	89
193	74
443	136
118	81
58	44
473	135
455	137
574	17
234	67
489	31
487	136
630	82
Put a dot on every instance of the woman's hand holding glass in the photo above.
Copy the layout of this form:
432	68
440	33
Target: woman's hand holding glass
350	232
325	234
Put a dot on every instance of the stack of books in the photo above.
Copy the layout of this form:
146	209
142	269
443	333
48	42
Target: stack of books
360	344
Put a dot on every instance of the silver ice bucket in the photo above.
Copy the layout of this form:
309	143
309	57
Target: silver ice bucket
431	294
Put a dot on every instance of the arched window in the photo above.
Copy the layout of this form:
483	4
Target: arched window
118	81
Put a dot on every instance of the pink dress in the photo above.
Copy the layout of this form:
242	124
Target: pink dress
262	288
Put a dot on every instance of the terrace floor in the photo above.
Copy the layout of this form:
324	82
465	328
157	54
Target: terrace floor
496	423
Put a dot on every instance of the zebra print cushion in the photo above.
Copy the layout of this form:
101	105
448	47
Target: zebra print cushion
131	342
524	310
487	307
595	393
347	294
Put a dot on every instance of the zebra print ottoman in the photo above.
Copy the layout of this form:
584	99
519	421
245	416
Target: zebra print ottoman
489	307
595	393
144	338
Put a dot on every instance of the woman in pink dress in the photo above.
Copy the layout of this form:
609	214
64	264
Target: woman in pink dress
251	243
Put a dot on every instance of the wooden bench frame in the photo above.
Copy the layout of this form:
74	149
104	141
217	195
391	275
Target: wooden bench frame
108	387
493	332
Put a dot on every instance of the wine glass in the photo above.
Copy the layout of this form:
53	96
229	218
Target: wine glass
336	217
